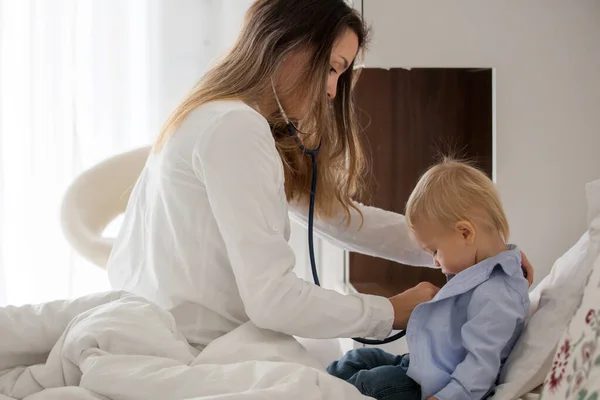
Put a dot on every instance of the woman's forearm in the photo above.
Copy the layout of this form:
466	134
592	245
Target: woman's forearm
382	234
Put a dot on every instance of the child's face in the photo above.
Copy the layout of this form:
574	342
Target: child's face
452	248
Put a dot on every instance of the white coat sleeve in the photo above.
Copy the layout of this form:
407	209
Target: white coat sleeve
383	234
243	175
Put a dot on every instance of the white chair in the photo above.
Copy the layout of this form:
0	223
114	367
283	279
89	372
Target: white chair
95	199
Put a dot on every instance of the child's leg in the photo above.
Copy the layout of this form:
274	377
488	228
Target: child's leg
364	358
377	374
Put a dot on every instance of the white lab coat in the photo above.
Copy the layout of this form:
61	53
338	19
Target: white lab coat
206	235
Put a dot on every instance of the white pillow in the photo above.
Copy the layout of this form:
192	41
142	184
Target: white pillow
558	280
575	372
554	301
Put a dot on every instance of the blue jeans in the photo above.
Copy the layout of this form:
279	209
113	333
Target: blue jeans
377	374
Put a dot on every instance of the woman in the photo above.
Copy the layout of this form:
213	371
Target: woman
206	229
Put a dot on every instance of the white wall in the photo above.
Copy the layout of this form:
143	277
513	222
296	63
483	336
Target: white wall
190	34
546	55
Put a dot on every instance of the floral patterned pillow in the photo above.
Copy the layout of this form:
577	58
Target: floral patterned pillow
575	371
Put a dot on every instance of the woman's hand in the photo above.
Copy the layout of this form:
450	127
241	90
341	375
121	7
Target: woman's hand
405	302
528	269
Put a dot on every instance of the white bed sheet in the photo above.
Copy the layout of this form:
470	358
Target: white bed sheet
119	346
115	345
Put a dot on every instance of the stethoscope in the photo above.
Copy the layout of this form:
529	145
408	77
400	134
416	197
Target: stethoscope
293	131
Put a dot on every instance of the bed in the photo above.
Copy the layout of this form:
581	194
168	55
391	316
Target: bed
118	346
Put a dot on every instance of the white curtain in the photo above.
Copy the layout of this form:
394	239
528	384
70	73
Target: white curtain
81	80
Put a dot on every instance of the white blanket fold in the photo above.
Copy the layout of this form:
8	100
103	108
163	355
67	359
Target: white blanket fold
119	346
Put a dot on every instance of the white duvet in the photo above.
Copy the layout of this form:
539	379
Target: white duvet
119	346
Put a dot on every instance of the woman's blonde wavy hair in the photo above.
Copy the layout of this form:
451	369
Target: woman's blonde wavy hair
272	30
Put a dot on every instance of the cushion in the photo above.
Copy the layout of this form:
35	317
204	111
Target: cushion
575	372
554	301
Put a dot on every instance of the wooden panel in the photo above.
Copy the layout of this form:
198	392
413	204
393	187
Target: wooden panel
435	107
410	119
479	118
375	112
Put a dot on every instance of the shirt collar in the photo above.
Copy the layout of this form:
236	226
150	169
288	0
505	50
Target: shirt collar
509	261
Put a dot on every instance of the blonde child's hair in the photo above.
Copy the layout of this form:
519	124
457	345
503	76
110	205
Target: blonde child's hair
453	191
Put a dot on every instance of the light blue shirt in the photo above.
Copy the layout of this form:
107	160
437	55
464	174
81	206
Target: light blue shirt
459	340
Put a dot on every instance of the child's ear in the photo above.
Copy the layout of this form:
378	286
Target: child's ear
466	230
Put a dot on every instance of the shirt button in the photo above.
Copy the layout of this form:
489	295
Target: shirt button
275	228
